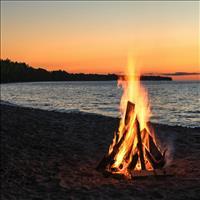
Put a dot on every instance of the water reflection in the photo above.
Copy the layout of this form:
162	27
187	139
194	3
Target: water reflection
173	103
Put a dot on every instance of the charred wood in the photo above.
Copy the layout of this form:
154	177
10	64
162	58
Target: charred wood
139	145
109	159
129	111
154	150
133	162
156	164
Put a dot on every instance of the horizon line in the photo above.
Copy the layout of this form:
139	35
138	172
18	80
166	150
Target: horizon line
182	73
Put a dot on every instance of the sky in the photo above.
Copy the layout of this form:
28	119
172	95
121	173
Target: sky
97	36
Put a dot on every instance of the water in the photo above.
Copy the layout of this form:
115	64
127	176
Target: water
172	103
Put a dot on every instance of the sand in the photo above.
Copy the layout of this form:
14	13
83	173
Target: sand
51	155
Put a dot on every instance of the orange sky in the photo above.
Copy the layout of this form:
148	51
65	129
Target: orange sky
96	37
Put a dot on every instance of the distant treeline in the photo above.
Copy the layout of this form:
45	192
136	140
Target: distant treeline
21	72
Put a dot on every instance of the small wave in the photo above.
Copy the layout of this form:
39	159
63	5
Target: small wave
46	104
68	110
102	114
108	109
7	103
195	112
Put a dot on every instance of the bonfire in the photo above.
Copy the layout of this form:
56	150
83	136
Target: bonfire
134	147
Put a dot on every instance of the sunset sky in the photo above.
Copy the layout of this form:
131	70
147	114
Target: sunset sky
96	37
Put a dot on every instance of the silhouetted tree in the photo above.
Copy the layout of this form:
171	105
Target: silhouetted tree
21	72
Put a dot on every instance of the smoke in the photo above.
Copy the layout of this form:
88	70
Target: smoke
169	154
169	148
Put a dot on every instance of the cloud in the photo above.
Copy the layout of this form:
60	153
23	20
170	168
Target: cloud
181	73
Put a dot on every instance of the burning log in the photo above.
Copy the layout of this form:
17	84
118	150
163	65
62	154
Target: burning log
139	145
133	162
129	141
152	154
156	164
108	159
153	149
158	173
149	127
129	111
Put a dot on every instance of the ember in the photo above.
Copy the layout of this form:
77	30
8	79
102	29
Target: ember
134	147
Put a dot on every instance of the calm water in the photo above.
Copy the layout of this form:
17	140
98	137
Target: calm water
173	103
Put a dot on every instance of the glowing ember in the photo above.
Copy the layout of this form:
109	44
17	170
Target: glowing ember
134	146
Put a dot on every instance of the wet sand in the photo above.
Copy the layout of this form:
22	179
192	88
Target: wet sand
51	155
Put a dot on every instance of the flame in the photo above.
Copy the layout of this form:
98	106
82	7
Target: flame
134	92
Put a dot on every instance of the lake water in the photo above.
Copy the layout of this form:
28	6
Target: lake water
172	103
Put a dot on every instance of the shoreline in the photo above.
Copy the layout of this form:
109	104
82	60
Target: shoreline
7	103
150	81
26	73
52	155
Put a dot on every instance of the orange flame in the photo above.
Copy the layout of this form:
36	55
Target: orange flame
134	92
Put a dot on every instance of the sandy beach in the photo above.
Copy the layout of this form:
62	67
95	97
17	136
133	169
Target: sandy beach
52	155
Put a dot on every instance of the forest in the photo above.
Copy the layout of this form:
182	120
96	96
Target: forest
22	72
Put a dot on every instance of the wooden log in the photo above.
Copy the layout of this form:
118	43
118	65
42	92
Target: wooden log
154	150
143	134
109	174
156	164
108	159
103	163
139	145
142	174
133	162
158	173
150	127
129	111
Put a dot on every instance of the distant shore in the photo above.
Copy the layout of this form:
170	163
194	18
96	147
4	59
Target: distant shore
52	155
21	72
